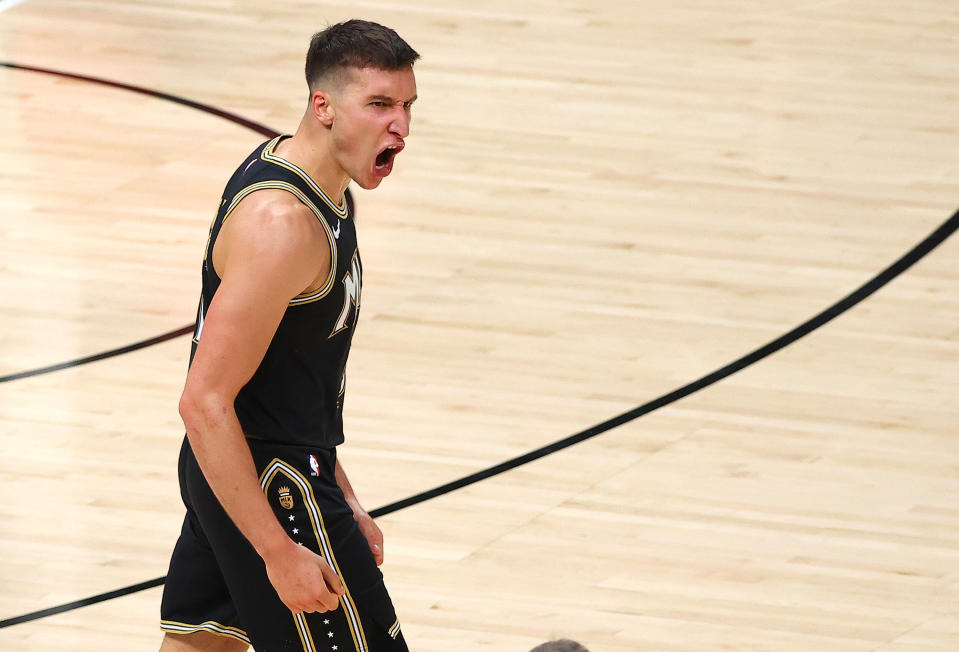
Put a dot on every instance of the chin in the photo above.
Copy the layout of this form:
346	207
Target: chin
368	184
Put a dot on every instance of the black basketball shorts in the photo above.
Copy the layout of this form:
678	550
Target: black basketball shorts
217	582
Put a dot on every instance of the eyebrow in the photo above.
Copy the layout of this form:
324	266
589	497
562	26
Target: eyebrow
387	98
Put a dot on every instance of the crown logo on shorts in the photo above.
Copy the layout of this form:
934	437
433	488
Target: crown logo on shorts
286	498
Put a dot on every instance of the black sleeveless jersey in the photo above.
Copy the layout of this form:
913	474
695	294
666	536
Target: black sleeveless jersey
296	394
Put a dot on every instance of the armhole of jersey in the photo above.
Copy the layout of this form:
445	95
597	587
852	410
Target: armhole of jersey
316	295
304	297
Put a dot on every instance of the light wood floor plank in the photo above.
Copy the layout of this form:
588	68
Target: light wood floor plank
598	204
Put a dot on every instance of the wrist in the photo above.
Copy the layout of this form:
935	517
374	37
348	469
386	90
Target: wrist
275	545
358	511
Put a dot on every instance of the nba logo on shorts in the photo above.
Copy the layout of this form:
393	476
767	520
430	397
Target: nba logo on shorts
314	466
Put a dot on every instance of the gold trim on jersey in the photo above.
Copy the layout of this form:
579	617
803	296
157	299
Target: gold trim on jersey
209	235
290	188
268	155
303	629
210	626
394	629
278	466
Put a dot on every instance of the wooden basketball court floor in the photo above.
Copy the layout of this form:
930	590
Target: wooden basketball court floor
599	204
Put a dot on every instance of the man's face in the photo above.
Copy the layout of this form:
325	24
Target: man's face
371	120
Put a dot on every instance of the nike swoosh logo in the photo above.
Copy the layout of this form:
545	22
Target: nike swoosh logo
336	231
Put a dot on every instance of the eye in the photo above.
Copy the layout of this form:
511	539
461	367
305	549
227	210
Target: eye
378	103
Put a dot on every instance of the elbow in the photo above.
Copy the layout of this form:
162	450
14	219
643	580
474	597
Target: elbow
190	413
187	408
200	412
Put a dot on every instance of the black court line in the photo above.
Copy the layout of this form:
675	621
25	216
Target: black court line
226	115
915	254
119	593
905	262
100	356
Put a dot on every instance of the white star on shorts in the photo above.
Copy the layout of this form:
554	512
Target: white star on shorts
291	517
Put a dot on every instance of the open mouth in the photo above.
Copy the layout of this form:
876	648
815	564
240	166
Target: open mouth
386	157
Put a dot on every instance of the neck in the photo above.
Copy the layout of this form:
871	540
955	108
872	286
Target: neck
309	148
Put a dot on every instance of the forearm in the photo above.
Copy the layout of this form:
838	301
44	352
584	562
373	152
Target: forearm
370	530
224	457
344	483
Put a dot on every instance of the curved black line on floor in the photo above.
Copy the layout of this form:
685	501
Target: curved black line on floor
206	108
226	115
933	240
70	606
910	258
100	356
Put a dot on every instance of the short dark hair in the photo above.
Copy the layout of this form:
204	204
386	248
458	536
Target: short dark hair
562	645
356	44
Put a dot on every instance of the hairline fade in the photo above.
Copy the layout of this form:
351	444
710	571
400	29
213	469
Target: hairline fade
354	44
562	645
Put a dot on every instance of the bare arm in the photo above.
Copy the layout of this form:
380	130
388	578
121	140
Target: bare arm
370	530
266	254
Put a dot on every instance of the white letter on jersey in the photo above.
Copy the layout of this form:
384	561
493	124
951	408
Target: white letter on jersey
352	287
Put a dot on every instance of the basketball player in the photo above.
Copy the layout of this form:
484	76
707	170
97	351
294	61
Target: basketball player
275	549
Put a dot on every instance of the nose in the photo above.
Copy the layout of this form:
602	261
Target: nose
400	125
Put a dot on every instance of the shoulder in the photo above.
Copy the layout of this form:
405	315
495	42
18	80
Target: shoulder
273	207
275	217
271	233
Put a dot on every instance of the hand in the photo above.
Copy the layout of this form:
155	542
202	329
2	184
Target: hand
303	580
373	534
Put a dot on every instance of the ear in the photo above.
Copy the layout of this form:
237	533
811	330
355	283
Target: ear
321	108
